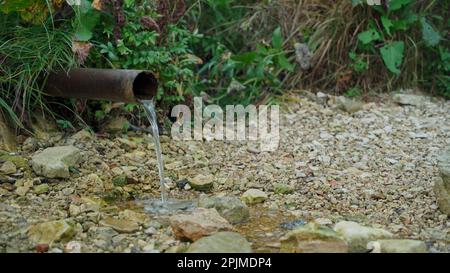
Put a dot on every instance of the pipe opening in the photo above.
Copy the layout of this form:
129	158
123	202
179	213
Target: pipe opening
145	86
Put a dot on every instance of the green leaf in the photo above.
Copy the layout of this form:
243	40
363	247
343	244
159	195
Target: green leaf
284	63
87	19
247	57
430	36
398	4
392	55
369	36
277	39
387	24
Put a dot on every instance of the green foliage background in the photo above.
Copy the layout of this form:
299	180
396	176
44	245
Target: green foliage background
227	51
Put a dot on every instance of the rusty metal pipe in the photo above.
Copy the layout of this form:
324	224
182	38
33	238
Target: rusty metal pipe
102	84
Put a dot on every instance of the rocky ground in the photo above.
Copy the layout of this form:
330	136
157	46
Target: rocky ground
347	176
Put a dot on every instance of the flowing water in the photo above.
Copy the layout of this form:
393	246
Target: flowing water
149	107
164	205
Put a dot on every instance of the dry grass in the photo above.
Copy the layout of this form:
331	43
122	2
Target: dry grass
330	28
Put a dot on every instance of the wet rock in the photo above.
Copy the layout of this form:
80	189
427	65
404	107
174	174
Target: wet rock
348	105
253	196
281	188
8	168
199	223
229	207
293	224
221	242
358	236
53	231
313	238
55	162
42	188
407	99
397	246
202	182
120	225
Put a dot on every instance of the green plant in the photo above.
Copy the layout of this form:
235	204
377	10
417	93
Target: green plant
353	92
143	45
246	77
404	28
27	53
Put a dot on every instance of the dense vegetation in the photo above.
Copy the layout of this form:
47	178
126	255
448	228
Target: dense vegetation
228	51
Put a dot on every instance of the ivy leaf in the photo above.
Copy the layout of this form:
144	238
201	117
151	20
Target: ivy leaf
369	36
392	55
429	34
277	40
387	24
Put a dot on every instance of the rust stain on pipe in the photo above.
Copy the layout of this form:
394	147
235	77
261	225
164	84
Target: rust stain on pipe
102	84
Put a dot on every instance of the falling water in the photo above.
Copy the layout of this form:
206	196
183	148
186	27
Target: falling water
149	107
163	205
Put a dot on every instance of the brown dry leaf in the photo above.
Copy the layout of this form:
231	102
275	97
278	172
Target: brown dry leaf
97	4
81	50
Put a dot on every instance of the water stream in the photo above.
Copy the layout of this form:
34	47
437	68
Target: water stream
149	107
164	205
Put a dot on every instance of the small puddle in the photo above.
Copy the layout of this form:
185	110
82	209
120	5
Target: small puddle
265	229
169	206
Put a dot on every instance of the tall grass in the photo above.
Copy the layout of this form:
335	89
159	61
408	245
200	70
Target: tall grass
27	54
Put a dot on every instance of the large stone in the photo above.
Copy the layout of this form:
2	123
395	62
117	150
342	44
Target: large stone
115	125
442	195
120	225
313	238
444	168
8	168
229	207
221	242
55	162
358	236
397	246
348	105
202	182
253	196
408	99
53	231
20	162
199	223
